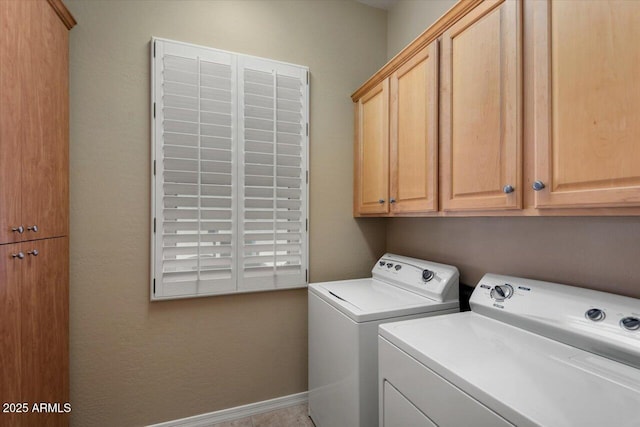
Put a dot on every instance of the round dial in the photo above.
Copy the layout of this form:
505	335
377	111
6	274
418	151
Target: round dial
630	323
501	292
595	314
427	275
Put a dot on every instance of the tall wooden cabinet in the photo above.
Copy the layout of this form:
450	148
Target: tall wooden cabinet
481	107
587	103
34	209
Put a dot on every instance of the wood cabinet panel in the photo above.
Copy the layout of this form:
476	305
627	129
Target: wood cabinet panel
45	154
34	339
587	103
10	269
481	109
44	328
34	117
12	103
372	151
414	134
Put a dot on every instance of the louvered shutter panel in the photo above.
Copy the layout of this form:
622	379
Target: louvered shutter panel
229	194
273	105
196	114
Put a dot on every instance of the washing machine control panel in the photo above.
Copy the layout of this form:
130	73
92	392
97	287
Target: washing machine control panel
432	280
595	321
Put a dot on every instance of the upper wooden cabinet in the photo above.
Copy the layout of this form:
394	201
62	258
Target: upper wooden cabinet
414	134
396	155
558	136
34	121
481	107
587	103
371	180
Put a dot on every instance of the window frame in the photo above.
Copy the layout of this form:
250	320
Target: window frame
156	286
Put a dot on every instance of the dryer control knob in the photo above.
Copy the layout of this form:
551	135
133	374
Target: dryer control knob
595	314
501	292
427	275
630	323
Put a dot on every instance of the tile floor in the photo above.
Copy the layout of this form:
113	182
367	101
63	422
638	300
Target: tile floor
293	416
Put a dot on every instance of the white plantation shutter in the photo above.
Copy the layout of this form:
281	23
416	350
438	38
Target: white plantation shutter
229	180
272	216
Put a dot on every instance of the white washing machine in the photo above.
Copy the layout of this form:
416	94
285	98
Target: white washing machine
529	354
343	329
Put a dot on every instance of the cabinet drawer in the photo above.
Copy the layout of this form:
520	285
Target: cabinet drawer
443	403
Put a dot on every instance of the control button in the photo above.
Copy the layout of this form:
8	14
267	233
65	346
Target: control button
389	265
630	323
595	314
501	292
427	275
398	267
382	263
485	286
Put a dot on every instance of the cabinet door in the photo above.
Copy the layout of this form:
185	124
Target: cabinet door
45	328
414	134
587	103
45	153
13	14
372	151
481	109
10	268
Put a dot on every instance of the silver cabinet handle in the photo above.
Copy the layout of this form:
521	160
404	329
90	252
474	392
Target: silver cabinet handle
33	228
33	252
19	255
538	185
508	189
19	229
381	201
392	200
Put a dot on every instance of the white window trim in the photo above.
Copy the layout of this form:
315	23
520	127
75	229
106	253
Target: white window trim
156	179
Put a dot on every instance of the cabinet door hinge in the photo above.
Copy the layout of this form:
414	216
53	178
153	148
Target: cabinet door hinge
307	177
154	225
307	77
154	168
154	286
154	49
307	224
306	276
154	110
307	128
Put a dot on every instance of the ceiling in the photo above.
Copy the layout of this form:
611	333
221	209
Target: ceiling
380	4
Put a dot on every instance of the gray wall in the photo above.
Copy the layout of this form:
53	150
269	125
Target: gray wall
407	19
134	362
599	253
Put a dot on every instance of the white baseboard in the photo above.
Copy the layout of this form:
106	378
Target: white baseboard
238	412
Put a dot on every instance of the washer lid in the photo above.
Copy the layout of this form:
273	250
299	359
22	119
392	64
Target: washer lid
365	300
528	379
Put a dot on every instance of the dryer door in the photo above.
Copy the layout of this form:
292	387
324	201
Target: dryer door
397	411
